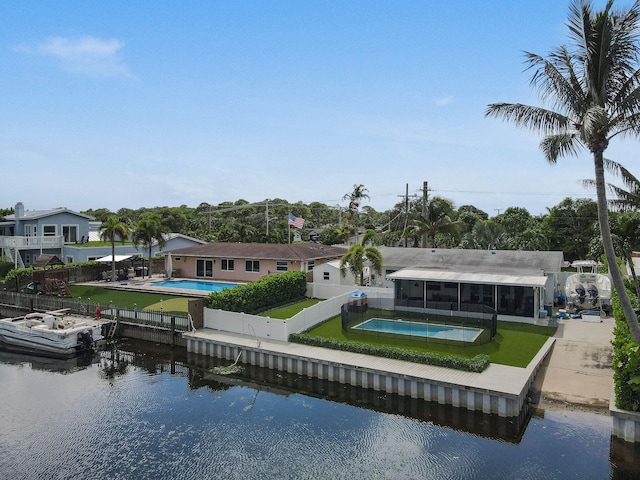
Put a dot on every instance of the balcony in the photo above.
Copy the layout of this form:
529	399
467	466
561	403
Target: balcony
27	243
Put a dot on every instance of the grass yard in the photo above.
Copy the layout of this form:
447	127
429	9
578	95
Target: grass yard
515	343
123	298
289	311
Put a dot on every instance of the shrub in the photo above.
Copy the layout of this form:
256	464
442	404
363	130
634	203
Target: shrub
18	278
5	267
626	362
255	297
478	363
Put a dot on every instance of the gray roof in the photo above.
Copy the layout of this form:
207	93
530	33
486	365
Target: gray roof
515	262
35	214
265	251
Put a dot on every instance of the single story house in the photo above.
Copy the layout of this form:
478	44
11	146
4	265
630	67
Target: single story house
329	274
246	262
517	284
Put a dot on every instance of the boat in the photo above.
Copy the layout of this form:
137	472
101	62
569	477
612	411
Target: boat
52	333
587	290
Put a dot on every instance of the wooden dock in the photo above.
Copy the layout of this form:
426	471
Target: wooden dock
499	390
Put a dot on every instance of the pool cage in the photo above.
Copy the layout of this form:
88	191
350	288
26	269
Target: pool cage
449	326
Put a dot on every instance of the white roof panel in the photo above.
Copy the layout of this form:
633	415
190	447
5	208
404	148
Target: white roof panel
119	258
466	277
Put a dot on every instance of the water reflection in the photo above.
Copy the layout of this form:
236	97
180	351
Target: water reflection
145	411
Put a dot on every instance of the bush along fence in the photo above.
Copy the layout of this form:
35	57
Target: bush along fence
626	363
479	363
267	293
153	318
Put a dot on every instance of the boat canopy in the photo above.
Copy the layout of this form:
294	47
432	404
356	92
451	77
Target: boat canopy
118	258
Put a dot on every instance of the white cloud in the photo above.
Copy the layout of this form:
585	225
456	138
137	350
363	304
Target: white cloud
443	101
85	55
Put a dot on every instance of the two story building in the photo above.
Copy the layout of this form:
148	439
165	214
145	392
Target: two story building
27	234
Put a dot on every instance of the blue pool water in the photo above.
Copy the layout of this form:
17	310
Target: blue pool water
195	285
430	330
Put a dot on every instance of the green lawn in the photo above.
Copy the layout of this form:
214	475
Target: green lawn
515	343
289	311
123	298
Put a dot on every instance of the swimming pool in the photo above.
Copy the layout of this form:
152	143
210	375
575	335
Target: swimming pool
195	285
419	329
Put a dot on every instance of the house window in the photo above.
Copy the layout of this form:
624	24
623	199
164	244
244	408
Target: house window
70	233
227	265
69	259
281	266
27	259
30	230
326	276
49	230
310	265
252	266
204	268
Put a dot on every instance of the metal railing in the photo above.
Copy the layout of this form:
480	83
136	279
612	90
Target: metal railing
154	318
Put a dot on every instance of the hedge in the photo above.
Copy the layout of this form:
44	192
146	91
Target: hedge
626	362
478	364
255	297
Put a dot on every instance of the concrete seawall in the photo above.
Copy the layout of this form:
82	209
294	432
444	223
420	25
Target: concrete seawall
499	390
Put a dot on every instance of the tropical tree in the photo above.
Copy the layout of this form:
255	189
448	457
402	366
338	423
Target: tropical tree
437	219
593	88
485	235
359	255
625	200
358	194
148	230
111	230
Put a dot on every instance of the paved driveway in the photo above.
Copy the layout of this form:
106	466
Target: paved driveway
578	369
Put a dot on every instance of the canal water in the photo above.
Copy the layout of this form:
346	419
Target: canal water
140	411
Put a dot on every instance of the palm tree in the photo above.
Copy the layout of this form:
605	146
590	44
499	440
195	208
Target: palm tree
360	254
594	89
146	231
437	219
358	194
625	200
111	230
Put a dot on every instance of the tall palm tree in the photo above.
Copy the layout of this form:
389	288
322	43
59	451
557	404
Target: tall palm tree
358	194
111	230
146	231
360	254
594	90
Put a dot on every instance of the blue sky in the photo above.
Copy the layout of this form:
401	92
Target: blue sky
142	104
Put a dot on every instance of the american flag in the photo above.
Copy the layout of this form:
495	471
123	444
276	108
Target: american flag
296	222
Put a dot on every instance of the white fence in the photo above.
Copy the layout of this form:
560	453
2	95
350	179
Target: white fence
275	329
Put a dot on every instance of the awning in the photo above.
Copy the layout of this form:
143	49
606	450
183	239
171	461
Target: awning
464	277
119	258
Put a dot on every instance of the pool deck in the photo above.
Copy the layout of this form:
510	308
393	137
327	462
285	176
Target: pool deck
144	285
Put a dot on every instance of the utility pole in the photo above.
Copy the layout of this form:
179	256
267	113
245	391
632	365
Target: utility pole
425	202
266	216
406	209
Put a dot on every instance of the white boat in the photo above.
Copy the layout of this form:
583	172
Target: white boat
587	289
54	332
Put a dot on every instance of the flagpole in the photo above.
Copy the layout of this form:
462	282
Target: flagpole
289	225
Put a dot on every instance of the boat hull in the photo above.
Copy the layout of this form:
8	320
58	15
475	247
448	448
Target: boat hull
59	336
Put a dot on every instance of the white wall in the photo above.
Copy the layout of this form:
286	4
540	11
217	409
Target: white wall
275	329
